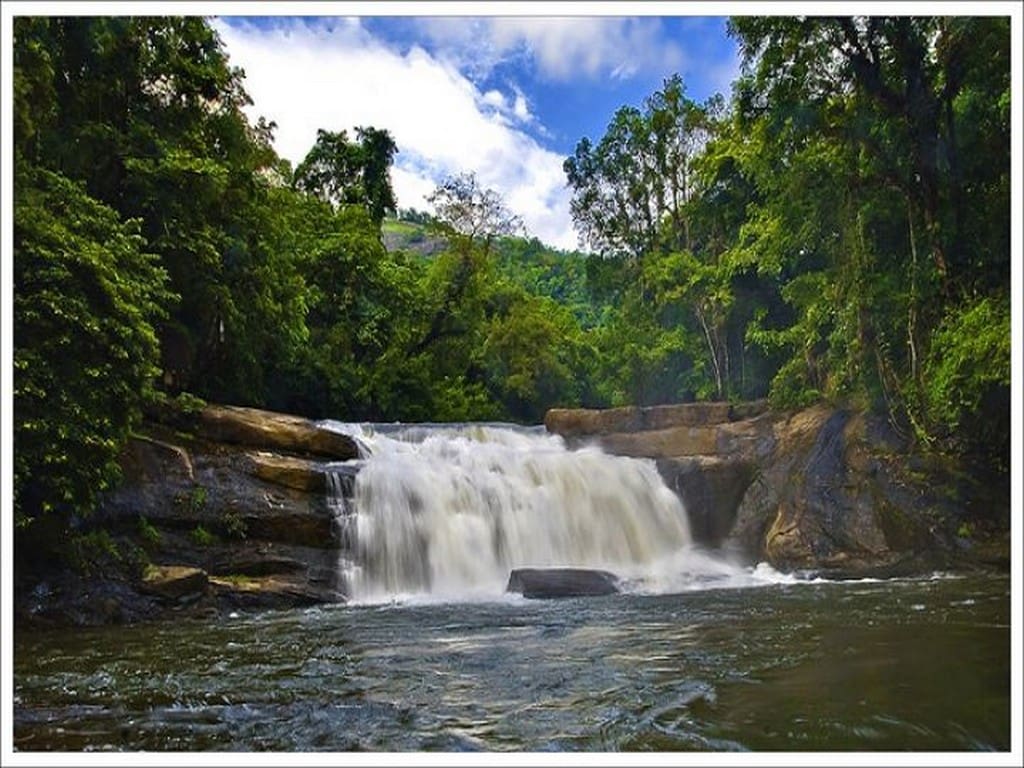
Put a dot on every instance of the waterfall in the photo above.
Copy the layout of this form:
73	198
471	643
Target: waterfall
450	510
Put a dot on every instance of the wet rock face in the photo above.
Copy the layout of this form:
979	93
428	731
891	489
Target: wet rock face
289	471
589	423
813	504
228	495
548	583
711	489
844	495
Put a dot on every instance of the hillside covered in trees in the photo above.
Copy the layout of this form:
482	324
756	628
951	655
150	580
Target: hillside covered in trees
839	230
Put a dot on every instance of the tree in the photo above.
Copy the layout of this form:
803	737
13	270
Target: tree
464	209
630	191
378	151
344	172
146	112
888	218
86	301
637	195
470	217
532	353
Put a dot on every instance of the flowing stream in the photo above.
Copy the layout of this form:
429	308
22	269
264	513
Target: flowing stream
430	653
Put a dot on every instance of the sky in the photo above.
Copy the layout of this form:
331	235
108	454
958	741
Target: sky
507	98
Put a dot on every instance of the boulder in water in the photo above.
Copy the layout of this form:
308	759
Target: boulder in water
562	582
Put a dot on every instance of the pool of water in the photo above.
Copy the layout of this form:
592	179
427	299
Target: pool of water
909	664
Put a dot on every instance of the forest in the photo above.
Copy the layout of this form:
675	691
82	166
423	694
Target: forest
837	230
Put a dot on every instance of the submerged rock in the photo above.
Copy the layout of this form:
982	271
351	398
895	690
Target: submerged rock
562	582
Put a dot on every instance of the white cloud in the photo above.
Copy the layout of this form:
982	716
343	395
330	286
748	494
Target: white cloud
305	77
496	99
521	109
562	48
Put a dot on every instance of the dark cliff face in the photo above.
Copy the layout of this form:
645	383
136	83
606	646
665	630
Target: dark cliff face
824	490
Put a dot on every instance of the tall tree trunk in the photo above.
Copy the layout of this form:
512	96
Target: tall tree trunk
712	349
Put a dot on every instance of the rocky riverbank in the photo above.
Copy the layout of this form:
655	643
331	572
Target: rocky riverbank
227	509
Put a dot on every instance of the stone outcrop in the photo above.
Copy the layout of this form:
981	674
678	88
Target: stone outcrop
826	490
230	510
230	507
266	429
587	423
844	494
711	489
229	495
548	583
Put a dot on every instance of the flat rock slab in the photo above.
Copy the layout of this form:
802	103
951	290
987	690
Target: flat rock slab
546	583
174	582
271	591
289	471
589	422
266	429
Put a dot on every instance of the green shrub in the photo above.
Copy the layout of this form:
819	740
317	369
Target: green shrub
92	553
197	499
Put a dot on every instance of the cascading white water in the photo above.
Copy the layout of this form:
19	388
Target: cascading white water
451	510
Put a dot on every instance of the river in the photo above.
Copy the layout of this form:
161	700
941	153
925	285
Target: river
430	654
910	664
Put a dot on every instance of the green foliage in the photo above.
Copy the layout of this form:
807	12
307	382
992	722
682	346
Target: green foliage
86	301
202	537
531	355
146	112
187	404
967	366
840	231
148	533
465	209
859	135
344	172
630	190
197	498
95	553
